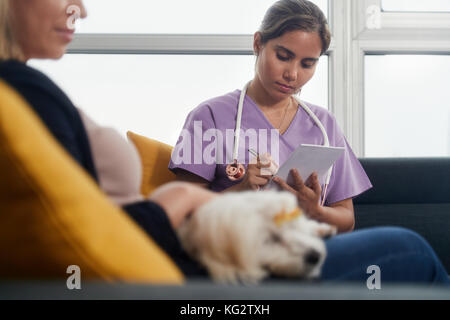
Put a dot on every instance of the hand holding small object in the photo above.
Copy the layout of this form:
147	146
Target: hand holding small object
265	159
256	174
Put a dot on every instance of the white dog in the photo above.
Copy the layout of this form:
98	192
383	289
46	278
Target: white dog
244	237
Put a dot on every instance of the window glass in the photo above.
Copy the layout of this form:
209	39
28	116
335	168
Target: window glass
407	106
416	5
177	16
153	94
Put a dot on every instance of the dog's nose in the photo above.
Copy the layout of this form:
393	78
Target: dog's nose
312	257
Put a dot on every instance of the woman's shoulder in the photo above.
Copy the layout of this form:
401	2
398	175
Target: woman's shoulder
328	120
9	67
19	72
218	106
323	114
226	101
52	105
32	83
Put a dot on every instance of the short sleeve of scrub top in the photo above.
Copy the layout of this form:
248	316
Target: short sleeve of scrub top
188	152
348	178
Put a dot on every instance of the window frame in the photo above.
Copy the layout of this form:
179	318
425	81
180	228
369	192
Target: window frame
398	33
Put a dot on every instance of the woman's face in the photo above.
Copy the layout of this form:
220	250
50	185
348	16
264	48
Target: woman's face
285	64
44	28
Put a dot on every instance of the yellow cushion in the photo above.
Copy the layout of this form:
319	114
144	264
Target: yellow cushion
53	215
155	157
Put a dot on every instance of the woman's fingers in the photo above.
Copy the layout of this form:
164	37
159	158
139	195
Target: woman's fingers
260	181
259	172
315	184
264	176
298	185
261	164
312	182
298	181
255	170
284	185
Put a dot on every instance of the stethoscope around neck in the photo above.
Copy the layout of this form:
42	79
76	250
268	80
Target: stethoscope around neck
236	171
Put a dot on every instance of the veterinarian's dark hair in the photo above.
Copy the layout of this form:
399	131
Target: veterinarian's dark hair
290	15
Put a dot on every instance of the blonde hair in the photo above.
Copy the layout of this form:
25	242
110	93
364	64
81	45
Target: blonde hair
9	49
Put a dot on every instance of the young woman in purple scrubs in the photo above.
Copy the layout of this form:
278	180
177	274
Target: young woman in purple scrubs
293	36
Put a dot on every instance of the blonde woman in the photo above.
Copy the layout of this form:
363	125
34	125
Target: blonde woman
41	29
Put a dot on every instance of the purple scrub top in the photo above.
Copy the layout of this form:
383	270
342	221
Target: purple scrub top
205	146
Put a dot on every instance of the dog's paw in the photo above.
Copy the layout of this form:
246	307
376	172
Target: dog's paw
326	231
220	272
229	274
252	276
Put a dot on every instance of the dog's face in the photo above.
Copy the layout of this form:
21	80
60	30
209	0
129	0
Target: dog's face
293	249
293	245
239	237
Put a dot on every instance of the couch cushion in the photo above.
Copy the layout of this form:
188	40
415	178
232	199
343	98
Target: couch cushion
155	157
53	215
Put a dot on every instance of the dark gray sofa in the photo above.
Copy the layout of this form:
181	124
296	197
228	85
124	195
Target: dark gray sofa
411	193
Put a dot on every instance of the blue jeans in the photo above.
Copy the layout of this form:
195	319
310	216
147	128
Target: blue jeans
402	256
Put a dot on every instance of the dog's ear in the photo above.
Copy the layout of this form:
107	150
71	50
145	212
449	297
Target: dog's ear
275	237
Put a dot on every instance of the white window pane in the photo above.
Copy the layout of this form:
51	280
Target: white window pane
177	16
407	106
416	5
152	94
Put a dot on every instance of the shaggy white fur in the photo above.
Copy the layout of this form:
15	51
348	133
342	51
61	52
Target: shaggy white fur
236	237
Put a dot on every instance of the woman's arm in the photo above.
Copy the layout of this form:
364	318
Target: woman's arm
252	180
339	214
179	199
189	177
